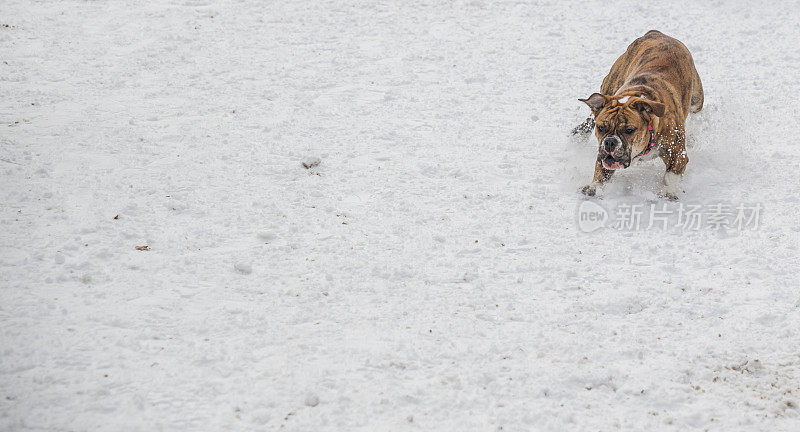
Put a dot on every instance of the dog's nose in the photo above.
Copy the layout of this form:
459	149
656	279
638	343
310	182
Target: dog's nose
609	144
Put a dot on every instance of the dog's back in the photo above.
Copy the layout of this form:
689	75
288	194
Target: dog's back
661	63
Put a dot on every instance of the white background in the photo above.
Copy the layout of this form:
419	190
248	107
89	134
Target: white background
429	274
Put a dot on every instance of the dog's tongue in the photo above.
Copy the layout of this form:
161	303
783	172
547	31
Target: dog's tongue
610	164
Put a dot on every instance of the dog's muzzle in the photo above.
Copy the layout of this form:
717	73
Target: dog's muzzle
612	153
611	143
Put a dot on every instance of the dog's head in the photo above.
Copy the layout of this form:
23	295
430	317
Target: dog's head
621	126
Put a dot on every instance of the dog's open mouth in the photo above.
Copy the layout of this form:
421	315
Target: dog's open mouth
610	163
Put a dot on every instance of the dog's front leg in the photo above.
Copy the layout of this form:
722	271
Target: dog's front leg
675	159
601	175
672	185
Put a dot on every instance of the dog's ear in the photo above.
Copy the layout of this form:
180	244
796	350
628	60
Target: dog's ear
596	102
648	106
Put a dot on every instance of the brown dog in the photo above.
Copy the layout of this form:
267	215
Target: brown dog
642	107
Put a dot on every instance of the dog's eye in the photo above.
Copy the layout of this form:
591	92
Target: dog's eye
629	131
602	129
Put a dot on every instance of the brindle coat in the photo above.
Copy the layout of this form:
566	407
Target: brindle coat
658	84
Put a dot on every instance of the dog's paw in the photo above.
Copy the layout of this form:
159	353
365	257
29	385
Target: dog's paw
671	186
584	128
589	190
668	195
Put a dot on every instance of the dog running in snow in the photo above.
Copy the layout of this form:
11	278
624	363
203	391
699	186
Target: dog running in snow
641	110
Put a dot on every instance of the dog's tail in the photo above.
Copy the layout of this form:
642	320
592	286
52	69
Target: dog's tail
584	128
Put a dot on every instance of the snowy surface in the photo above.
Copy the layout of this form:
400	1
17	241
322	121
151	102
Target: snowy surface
429	273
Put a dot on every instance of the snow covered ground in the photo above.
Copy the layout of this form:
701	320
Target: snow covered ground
430	273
